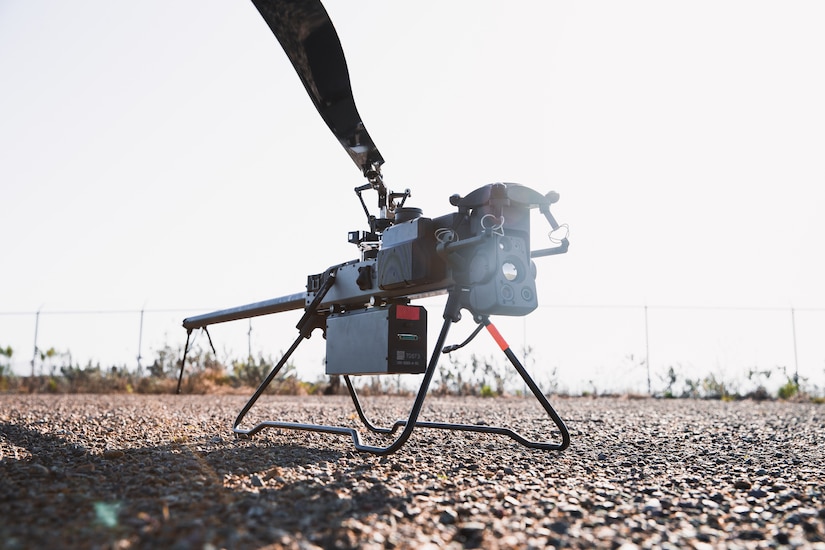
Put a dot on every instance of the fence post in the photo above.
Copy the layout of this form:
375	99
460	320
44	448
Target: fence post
249	344
795	355
647	353
140	345
36	327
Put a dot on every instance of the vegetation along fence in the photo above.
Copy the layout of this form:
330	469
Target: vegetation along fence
573	349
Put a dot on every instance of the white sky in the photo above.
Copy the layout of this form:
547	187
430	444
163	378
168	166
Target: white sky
165	155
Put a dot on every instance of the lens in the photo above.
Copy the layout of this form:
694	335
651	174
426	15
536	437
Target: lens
507	293
509	270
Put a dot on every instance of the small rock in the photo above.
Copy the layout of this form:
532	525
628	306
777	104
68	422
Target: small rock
652	505
809	528
38	470
605	533
410	510
573	511
274	473
511	500
448	516
742	484
256	481
559	527
752	534
471	529
782	538
76	450
807	512
111	454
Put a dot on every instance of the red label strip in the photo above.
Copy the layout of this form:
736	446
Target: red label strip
407	313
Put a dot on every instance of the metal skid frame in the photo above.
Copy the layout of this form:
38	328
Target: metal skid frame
313	320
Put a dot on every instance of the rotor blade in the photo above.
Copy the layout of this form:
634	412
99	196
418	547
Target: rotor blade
305	31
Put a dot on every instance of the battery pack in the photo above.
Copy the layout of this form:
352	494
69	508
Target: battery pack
380	340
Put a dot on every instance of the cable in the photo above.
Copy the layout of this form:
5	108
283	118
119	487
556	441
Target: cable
445	235
452	348
564	229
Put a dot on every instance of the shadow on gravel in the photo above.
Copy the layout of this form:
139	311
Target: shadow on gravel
234	493
133	472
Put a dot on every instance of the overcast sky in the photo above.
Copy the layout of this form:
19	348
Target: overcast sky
165	155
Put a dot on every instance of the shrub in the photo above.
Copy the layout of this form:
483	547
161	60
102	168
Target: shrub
788	390
5	367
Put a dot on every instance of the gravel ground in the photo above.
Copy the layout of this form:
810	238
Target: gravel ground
128	471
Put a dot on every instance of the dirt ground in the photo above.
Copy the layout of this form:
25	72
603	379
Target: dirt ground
131	471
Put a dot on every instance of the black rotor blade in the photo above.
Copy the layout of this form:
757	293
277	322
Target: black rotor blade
305	31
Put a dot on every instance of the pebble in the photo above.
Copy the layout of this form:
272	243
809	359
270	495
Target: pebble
742	484
448	516
38	470
111	454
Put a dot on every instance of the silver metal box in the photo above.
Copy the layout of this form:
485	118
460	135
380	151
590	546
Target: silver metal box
380	340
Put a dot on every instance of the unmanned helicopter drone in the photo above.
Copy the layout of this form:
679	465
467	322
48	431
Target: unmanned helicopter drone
479	255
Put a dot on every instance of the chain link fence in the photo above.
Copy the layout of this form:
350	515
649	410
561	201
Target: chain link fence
568	348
